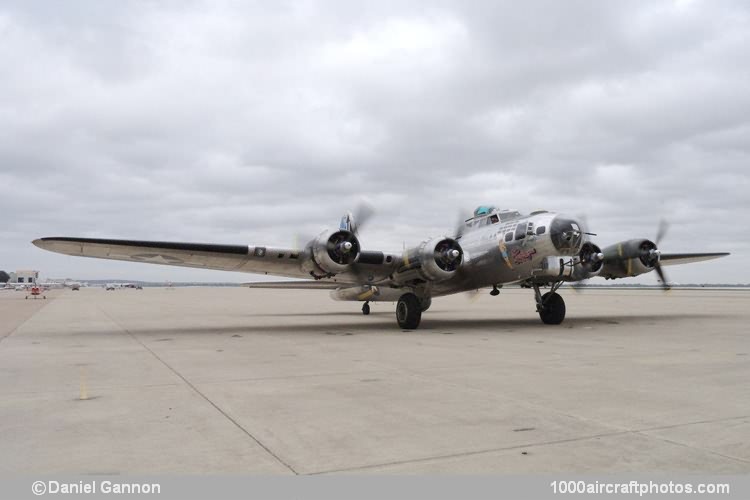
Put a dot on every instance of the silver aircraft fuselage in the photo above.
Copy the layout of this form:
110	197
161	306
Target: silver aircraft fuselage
498	249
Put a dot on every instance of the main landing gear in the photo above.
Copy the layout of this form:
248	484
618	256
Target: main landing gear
409	311
550	306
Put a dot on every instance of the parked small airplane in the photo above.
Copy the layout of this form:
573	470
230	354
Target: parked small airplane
491	249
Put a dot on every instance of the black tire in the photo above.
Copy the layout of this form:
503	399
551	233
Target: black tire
366	309
408	311
553	310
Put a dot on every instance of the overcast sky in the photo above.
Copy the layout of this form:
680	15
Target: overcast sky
253	122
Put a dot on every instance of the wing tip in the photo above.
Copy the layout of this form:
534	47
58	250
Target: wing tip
45	242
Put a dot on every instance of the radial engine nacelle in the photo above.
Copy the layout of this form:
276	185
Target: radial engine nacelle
333	252
588	263
436	259
630	258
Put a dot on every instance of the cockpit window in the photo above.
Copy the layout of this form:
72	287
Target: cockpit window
494	219
509	215
484	210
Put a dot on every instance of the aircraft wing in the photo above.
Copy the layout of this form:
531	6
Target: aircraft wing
241	258
672	259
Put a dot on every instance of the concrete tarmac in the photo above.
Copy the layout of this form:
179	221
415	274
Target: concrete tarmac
230	380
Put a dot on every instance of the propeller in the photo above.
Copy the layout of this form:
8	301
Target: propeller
342	247
591	256
448	255
354	221
664	283
661	231
460	225
654	254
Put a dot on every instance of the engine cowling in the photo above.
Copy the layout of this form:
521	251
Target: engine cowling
588	263
629	258
436	259
334	252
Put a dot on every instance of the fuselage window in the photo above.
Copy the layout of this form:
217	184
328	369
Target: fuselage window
521	231
509	236
540	230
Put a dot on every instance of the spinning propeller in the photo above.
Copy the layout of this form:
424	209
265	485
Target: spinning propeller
654	254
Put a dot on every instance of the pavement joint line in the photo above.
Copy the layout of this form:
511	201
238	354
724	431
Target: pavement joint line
553	442
473	452
47	302
202	395
696	422
699	448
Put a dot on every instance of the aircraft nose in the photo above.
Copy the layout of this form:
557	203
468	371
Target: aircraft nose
566	234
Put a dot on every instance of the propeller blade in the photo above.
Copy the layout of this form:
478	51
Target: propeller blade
361	215
662	231
460	225
664	283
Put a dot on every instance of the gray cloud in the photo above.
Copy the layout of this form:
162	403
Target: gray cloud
256	122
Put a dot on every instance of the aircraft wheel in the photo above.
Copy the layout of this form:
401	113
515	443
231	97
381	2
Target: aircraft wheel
408	311
553	311
366	309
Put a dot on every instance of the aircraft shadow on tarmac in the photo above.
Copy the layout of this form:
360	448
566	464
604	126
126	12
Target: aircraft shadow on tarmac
385	324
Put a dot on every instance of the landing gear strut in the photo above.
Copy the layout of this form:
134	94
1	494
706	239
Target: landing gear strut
408	311
550	306
366	308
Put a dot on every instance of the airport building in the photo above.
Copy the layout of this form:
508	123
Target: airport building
24	276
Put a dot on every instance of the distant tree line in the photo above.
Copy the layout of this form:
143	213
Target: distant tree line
4	277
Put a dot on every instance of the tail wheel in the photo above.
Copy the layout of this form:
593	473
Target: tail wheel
408	311
366	309
553	309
